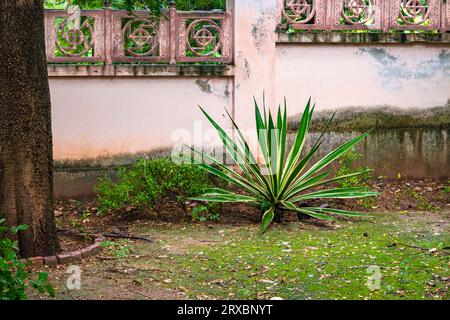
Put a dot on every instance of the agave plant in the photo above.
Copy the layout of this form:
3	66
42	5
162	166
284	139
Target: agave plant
283	179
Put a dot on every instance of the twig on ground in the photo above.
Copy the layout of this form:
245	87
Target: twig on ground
418	248
141	269
365	267
265	270
122	236
136	256
109	258
70	294
138	292
209	241
91	232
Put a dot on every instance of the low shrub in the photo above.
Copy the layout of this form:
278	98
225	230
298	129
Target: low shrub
14	277
134	186
347	167
147	182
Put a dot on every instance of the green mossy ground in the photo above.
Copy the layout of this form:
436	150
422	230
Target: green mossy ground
293	261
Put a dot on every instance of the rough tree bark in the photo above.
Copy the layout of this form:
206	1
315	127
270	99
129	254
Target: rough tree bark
26	177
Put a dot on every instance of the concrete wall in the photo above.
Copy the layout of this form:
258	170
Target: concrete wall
106	120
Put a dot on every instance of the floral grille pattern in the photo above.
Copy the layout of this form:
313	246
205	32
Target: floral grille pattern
414	12
357	12
381	15
144	37
110	36
140	37
204	38
299	11
75	41
72	38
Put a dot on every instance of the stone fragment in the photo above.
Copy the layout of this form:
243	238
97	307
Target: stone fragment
91	250
36	261
51	261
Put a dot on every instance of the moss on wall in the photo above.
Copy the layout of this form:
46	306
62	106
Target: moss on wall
108	162
358	36
384	117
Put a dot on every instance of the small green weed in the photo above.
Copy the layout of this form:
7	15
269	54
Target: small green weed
447	187
208	212
80	222
118	249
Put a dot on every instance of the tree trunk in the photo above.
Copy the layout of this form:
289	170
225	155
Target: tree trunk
26	177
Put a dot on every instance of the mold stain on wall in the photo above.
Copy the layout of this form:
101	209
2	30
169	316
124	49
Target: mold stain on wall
393	69
220	91
247	67
259	32
204	85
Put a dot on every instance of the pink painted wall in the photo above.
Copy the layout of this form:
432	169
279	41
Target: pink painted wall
95	117
364	76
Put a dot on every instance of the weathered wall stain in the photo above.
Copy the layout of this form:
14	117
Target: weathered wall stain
105	162
380	55
259	32
216	89
337	76
247	67
204	85
394	68
227	92
128	115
